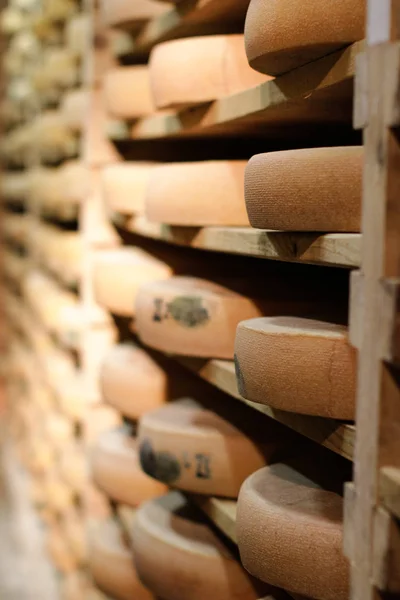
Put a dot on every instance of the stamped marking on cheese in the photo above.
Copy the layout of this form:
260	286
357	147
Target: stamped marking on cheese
162	466
185	310
239	377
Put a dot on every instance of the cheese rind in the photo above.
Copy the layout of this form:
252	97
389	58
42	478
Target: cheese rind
127	92
124	187
290	533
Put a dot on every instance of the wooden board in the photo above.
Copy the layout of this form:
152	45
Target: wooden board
303	97
340	249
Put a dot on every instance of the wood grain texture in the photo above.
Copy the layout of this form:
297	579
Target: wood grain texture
116	470
298	365
282	36
202	69
290	533
316	189
197	194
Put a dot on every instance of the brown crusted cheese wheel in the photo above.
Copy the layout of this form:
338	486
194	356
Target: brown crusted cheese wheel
316	189
298	365
127	92
171	543
290	533
116	469
124	186
198	194
191	316
132	382
200	69
119	273
111	565
75	108
285	34
196	450
124	13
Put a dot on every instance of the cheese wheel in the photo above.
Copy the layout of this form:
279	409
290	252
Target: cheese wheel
127	92
132	382
198	194
298	365
196	450
77	33
75	534
111	565
118	275
283	35
316	189
172	544
200	69
290	533
116	469
99	419
75	109
124	186
73	466
59	551
190	316
130	14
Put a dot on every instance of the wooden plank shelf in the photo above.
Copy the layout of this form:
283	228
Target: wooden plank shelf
335	249
186	19
335	435
303	97
221	511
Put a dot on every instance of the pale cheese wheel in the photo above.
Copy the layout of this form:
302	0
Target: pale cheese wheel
196	450
118	275
171	544
190	316
316	189
124	186
198	194
132	382
283	35
72	466
290	533
117	13
74	528
200	69
111	565
298	365
100	418
116	469
59	496
127	92
75	109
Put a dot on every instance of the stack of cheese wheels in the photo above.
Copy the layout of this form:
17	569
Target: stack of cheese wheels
198	194
196	450
315	189
298	365
290	533
124	185
171	543
120	13
132	381
116	469
127	92
200	69
111	565
190	316
283	35
75	109
119	273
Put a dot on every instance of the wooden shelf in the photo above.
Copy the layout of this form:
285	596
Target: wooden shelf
338	249
303	97
221	511
187	19
335	435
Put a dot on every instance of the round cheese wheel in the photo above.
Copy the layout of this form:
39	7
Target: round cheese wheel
316	189
116	469
196	450
198	194
190	316
73	466
127	92
59	496
75	533
283	35
200	69
298	365
130	14
132	382
111	565
124	186
290	533
171	544
75	109
118	275
99	419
